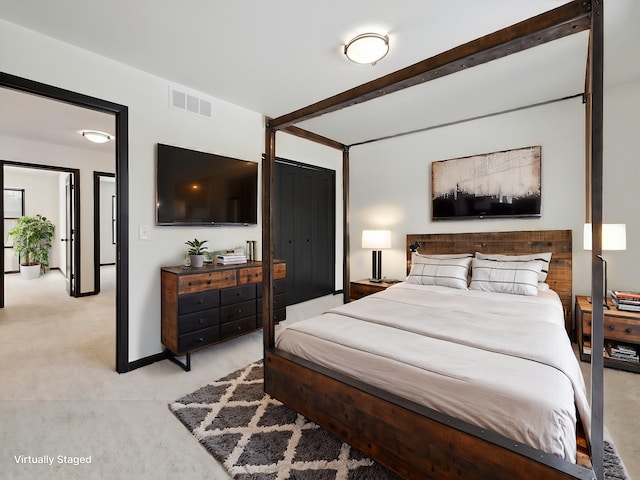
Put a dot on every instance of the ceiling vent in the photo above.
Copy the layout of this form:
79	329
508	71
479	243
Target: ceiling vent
183	98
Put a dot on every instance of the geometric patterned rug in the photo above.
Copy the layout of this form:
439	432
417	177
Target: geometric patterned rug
255	437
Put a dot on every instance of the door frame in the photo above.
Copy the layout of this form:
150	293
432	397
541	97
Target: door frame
121	114
76	257
96	226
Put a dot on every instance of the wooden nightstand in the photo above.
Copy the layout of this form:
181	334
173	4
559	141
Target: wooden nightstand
362	288
620	327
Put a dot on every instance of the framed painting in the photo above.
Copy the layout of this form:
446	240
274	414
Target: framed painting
490	185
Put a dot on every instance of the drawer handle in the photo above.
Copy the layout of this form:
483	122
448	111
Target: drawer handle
200	301
612	327
189	283
629	330
249	277
238	294
239	328
201	340
201	321
239	310
208	282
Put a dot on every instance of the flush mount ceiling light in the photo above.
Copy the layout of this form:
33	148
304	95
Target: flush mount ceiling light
96	137
367	48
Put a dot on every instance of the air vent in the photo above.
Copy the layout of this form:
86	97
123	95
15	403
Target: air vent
183	98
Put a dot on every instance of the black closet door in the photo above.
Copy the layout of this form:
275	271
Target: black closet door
304	229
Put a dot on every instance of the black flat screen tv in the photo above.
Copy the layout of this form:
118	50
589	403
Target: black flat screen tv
198	188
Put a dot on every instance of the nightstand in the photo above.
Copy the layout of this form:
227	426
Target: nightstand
362	288
620	328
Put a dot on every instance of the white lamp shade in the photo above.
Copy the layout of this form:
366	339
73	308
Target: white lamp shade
614	236
376	239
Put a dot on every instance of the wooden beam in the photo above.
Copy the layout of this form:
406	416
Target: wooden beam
596	120
565	20
314	137
268	172
346	236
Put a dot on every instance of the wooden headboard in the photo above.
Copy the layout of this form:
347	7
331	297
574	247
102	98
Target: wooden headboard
558	242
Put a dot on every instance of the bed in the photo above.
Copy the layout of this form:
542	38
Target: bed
413	439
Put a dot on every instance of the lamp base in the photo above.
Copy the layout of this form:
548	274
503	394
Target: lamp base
376	280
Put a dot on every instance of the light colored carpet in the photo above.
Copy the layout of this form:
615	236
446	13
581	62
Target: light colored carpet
60	395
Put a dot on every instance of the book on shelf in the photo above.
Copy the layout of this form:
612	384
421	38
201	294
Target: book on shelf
231	258
624	352
628	296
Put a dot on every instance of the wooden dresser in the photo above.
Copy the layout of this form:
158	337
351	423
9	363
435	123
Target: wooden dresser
211	304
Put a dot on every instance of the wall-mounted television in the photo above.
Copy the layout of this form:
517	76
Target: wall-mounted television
198	188
490	185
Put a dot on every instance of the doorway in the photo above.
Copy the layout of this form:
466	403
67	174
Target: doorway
120	113
50	191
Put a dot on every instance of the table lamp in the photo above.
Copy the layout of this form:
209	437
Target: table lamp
376	240
614	237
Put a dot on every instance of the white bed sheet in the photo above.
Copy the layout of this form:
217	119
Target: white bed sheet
502	362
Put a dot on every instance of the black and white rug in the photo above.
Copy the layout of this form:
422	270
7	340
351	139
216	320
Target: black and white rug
256	437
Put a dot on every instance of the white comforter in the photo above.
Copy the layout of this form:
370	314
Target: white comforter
502	362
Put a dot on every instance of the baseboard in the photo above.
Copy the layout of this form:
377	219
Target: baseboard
143	362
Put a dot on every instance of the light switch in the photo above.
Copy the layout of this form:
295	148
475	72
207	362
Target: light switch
143	232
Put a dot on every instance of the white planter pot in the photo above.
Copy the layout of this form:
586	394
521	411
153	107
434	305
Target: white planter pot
197	260
29	272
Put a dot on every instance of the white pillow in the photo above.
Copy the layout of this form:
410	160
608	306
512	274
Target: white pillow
519	278
445	272
544	257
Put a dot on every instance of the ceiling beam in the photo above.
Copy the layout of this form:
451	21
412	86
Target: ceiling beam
565	20
314	137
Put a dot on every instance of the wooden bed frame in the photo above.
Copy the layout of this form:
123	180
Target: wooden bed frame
414	441
410	439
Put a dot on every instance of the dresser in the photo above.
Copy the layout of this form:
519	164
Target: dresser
204	306
620	328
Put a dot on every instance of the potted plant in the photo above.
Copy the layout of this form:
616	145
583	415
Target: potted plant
32	237
196	251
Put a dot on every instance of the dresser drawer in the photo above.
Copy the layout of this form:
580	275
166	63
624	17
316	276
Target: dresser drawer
197	339
198	321
229	296
279	301
279	286
238	327
249	275
237	311
278	316
615	328
206	281
194	302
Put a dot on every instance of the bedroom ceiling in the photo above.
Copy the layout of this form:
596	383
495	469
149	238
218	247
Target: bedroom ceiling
275	57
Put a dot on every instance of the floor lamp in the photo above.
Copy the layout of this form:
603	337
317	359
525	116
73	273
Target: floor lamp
376	240
614	237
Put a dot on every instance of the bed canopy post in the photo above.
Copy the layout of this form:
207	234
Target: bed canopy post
595	121
268	167
346	237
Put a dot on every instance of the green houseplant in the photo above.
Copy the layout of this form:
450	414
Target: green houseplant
196	251
32	236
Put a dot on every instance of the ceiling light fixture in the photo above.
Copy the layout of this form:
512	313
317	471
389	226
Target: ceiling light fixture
367	48
96	137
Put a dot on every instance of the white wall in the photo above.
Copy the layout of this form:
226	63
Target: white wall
40	197
19	150
234	131
398	198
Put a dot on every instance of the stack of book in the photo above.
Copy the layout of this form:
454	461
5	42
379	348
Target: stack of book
624	352
231	258
629	301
